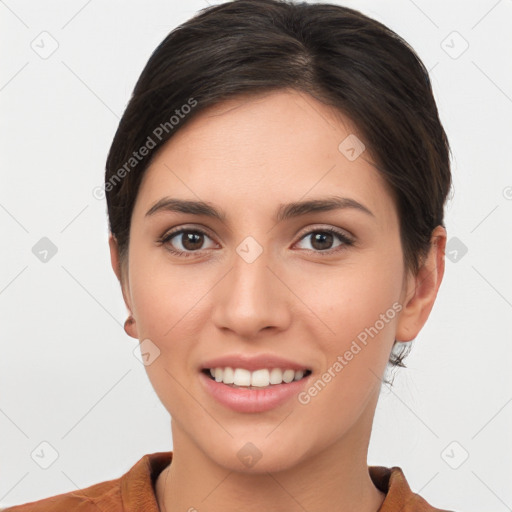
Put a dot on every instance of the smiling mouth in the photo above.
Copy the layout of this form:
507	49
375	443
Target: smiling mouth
264	378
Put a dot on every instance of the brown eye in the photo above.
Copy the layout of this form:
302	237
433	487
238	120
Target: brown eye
185	240
192	241
323	240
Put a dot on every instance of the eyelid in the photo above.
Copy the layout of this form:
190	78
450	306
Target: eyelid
173	232
326	228
187	227
343	237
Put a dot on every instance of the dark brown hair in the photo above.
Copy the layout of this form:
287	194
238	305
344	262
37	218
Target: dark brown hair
337	55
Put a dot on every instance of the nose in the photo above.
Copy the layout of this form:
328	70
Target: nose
252	297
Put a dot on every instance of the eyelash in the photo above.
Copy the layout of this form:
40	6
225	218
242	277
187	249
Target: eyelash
346	241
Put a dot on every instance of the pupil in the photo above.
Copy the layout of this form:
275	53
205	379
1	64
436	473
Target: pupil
321	237
191	241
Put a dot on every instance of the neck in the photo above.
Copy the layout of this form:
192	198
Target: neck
334	479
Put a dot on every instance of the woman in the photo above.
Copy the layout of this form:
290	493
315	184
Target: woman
275	192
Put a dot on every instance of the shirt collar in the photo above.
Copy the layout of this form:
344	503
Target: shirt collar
138	485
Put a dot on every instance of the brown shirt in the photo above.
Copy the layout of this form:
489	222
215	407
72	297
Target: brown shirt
135	492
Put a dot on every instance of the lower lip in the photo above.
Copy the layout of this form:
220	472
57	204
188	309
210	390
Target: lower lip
252	400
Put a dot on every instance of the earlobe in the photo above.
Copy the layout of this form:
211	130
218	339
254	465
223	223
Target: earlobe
423	289
130	327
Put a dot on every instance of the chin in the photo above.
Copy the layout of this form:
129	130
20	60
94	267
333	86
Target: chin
258	456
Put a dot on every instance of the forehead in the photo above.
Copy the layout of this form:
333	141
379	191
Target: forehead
257	151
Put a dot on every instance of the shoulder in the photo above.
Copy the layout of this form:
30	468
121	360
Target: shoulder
399	496
133	490
91	498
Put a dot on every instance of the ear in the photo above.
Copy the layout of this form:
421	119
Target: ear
130	327
114	256
422	289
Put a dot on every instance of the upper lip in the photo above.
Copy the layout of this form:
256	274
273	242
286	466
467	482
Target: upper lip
254	362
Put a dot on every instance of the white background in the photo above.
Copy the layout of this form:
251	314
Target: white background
68	375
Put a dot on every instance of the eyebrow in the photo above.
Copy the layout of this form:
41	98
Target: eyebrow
284	212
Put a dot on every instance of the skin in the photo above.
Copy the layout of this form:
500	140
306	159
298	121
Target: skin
246	156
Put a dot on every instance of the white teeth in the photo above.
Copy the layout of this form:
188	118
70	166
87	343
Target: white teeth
228	375
276	376
288	375
242	377
259	378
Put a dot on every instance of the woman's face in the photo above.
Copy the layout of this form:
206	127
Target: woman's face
321	288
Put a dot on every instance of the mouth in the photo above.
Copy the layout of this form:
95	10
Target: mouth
264	378
267	385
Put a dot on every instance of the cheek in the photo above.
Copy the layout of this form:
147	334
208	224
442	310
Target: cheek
357	297
163	305
362	310
166	308
165	296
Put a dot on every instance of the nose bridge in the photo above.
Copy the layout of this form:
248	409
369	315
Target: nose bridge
251	297
251	275
251	281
